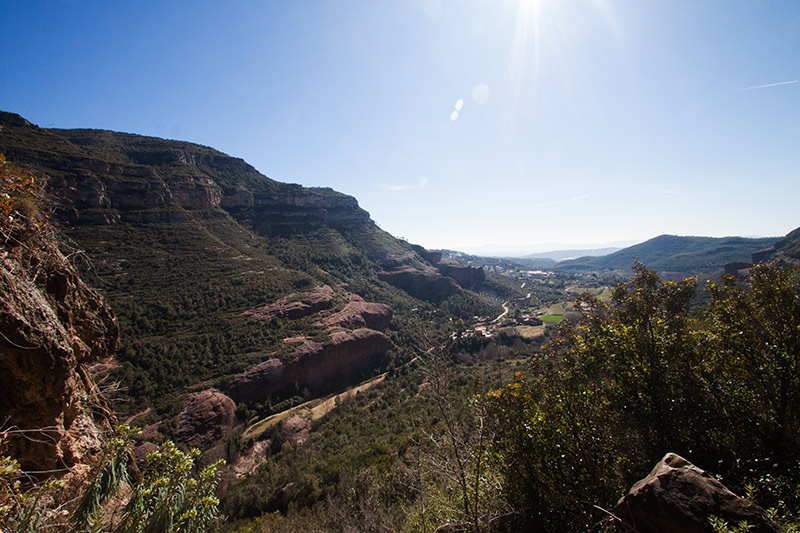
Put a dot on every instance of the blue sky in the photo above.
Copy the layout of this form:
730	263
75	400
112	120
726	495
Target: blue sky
456	123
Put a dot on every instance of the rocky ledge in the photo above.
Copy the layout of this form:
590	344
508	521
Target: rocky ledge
294	306
423	284
318	368
360	314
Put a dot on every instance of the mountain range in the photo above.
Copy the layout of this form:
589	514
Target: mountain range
214	269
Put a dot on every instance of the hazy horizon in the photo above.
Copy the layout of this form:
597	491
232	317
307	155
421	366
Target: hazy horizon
454	123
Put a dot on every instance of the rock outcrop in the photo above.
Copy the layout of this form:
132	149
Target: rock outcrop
465	275
53	326
786	250
318	368
422	284
295	306
360	314
208	416
678	497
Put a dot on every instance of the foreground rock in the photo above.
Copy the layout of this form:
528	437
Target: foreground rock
53	326
318	368
678	497
207	417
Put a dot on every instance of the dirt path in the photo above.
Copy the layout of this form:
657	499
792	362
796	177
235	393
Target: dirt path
501	315
325	407
315	409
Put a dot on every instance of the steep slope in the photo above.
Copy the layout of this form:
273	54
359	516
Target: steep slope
186	242
672	253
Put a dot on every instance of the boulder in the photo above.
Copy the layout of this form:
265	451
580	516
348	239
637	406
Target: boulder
208	416
678	497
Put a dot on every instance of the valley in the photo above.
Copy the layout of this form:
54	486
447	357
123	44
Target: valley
351	380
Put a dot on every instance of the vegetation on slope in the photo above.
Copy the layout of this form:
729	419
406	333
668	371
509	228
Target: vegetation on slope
180	278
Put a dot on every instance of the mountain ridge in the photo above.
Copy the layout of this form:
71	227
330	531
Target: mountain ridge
674	253
184	239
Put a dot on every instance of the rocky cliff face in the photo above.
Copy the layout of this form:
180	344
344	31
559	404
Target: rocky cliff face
53	326
104	177
316	367
466	276
423	284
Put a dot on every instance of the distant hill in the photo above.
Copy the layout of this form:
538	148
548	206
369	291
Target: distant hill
565	255
672	253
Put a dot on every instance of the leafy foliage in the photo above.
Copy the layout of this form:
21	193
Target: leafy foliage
168	498
640	376
22	508
108	479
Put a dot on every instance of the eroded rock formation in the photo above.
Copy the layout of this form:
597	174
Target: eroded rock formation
295	306
360	314
52	327
315	367
465	275
423	284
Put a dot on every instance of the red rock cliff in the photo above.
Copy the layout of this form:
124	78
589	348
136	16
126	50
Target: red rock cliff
52	327
318	368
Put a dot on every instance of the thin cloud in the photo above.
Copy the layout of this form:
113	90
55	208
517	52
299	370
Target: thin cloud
769	85
556	202
423	183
